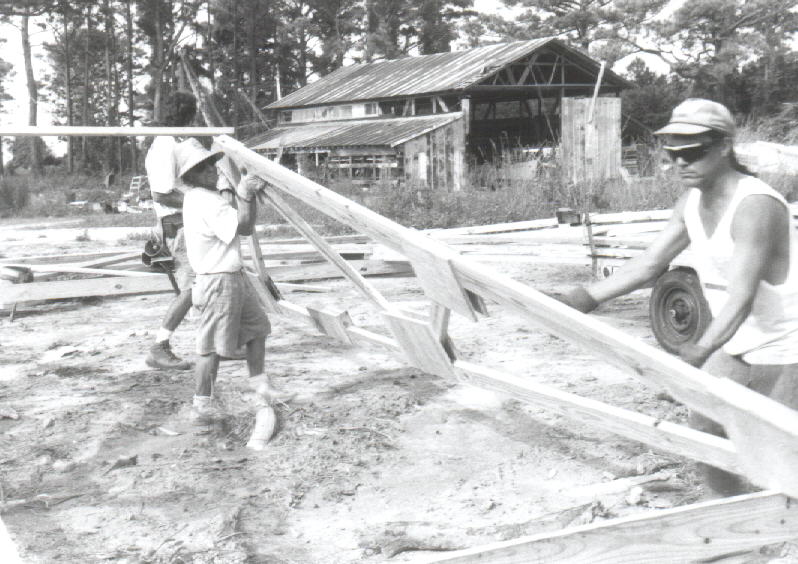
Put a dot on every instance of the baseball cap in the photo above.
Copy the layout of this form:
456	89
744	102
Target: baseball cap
190	153
697	115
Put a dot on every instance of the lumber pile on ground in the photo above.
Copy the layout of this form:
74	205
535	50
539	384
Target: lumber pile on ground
121	272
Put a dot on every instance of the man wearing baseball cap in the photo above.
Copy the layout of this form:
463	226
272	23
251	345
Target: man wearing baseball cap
742	235
231	316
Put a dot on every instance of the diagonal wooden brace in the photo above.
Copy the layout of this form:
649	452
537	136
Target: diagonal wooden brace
332	324
423	346
432	265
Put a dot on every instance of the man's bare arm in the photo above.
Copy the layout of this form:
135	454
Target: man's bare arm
173	199
640	270
247	213
246	192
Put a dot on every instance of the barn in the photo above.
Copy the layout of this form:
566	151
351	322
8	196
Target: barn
429	120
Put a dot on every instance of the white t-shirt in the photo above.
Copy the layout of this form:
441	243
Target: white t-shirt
210	225
162	172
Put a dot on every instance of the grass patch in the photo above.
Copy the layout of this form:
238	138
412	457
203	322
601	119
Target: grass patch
488	196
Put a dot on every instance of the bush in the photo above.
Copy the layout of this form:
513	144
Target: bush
14	195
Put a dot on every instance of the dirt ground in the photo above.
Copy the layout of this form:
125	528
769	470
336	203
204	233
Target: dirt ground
373	462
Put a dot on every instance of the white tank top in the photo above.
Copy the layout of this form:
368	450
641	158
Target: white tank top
769	335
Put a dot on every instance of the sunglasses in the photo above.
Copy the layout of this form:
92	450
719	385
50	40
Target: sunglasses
689	153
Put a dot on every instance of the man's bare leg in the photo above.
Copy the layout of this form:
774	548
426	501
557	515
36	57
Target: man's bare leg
259	381
203	410
177	310
161	355
205	371
256	356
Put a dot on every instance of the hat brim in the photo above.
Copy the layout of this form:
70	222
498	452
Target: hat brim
682	129
213	157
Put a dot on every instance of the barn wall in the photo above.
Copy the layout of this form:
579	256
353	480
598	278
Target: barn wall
436	160
591	150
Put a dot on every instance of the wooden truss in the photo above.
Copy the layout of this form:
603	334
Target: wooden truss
763	434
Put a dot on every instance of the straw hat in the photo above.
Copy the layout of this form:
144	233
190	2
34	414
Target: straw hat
190	153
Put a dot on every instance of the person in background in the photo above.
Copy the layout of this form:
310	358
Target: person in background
167	194
230	313
742	235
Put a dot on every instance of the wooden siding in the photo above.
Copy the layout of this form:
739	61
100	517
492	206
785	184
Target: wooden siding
591	149
436	160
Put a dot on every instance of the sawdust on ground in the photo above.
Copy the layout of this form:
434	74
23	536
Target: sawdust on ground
374	461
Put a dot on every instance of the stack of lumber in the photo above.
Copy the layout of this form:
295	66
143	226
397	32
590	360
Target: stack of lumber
120	272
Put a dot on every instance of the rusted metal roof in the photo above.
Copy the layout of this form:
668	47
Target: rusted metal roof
351	133
426	74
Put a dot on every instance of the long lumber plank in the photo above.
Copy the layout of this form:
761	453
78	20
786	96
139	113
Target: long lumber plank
323	271
702	532
530	225
64	289
764	432
73	269
326	250
113	286
103	131
664	435
630	217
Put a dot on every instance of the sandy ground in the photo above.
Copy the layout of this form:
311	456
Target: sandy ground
373	462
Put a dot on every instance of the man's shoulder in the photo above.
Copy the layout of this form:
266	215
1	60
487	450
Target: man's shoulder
203	197
161	148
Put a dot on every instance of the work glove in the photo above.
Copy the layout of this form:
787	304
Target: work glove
579	299
694	355
248	187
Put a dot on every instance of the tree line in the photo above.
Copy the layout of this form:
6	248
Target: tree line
113	62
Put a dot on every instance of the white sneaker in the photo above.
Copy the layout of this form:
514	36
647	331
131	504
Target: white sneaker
262	432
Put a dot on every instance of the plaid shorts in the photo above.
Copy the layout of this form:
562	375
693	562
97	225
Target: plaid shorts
230	313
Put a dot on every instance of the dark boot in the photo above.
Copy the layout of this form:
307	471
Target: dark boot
161	356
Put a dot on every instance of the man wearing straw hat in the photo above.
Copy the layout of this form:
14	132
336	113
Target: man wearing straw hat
742	235
230	313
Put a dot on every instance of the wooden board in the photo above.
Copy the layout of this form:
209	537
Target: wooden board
420	343
531	225
104	131
325	248
763	431
591	149
758	426
322	271
103	287
703	532
63	289
434	272
663	435
357	334
333	324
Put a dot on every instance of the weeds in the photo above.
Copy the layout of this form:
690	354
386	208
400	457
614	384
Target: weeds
493	193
